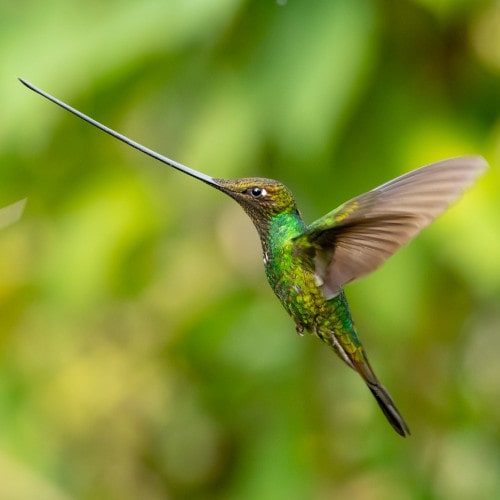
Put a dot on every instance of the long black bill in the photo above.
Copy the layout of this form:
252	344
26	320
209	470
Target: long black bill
126	140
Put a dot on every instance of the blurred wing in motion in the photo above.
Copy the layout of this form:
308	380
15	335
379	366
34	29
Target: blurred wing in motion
356	238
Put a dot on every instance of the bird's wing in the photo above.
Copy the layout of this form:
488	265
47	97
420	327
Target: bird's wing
356	238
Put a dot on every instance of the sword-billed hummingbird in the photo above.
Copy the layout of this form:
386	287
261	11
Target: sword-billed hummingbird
308	265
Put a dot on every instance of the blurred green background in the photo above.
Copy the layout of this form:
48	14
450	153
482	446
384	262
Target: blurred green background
142	353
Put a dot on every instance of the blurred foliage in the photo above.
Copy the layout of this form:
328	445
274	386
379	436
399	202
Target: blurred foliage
142	353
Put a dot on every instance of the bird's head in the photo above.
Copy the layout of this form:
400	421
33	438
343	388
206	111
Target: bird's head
262	199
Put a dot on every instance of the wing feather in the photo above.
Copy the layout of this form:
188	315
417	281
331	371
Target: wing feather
356	238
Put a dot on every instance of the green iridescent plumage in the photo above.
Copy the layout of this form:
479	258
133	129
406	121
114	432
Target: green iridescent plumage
307	266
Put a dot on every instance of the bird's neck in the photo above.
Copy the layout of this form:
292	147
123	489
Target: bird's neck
278	231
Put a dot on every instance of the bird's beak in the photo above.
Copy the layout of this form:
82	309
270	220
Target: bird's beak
216	183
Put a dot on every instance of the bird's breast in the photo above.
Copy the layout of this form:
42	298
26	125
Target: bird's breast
293	281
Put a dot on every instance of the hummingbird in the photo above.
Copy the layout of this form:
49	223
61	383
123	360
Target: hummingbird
308	266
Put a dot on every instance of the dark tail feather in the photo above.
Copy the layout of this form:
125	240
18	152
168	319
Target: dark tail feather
387	405
358	361
383	398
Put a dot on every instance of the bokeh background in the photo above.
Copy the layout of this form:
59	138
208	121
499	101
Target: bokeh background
142	353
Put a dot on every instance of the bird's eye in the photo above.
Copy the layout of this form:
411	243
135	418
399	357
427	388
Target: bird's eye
257	192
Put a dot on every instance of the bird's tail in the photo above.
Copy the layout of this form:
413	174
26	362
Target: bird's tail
362	366
358	361
387	405
342	337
